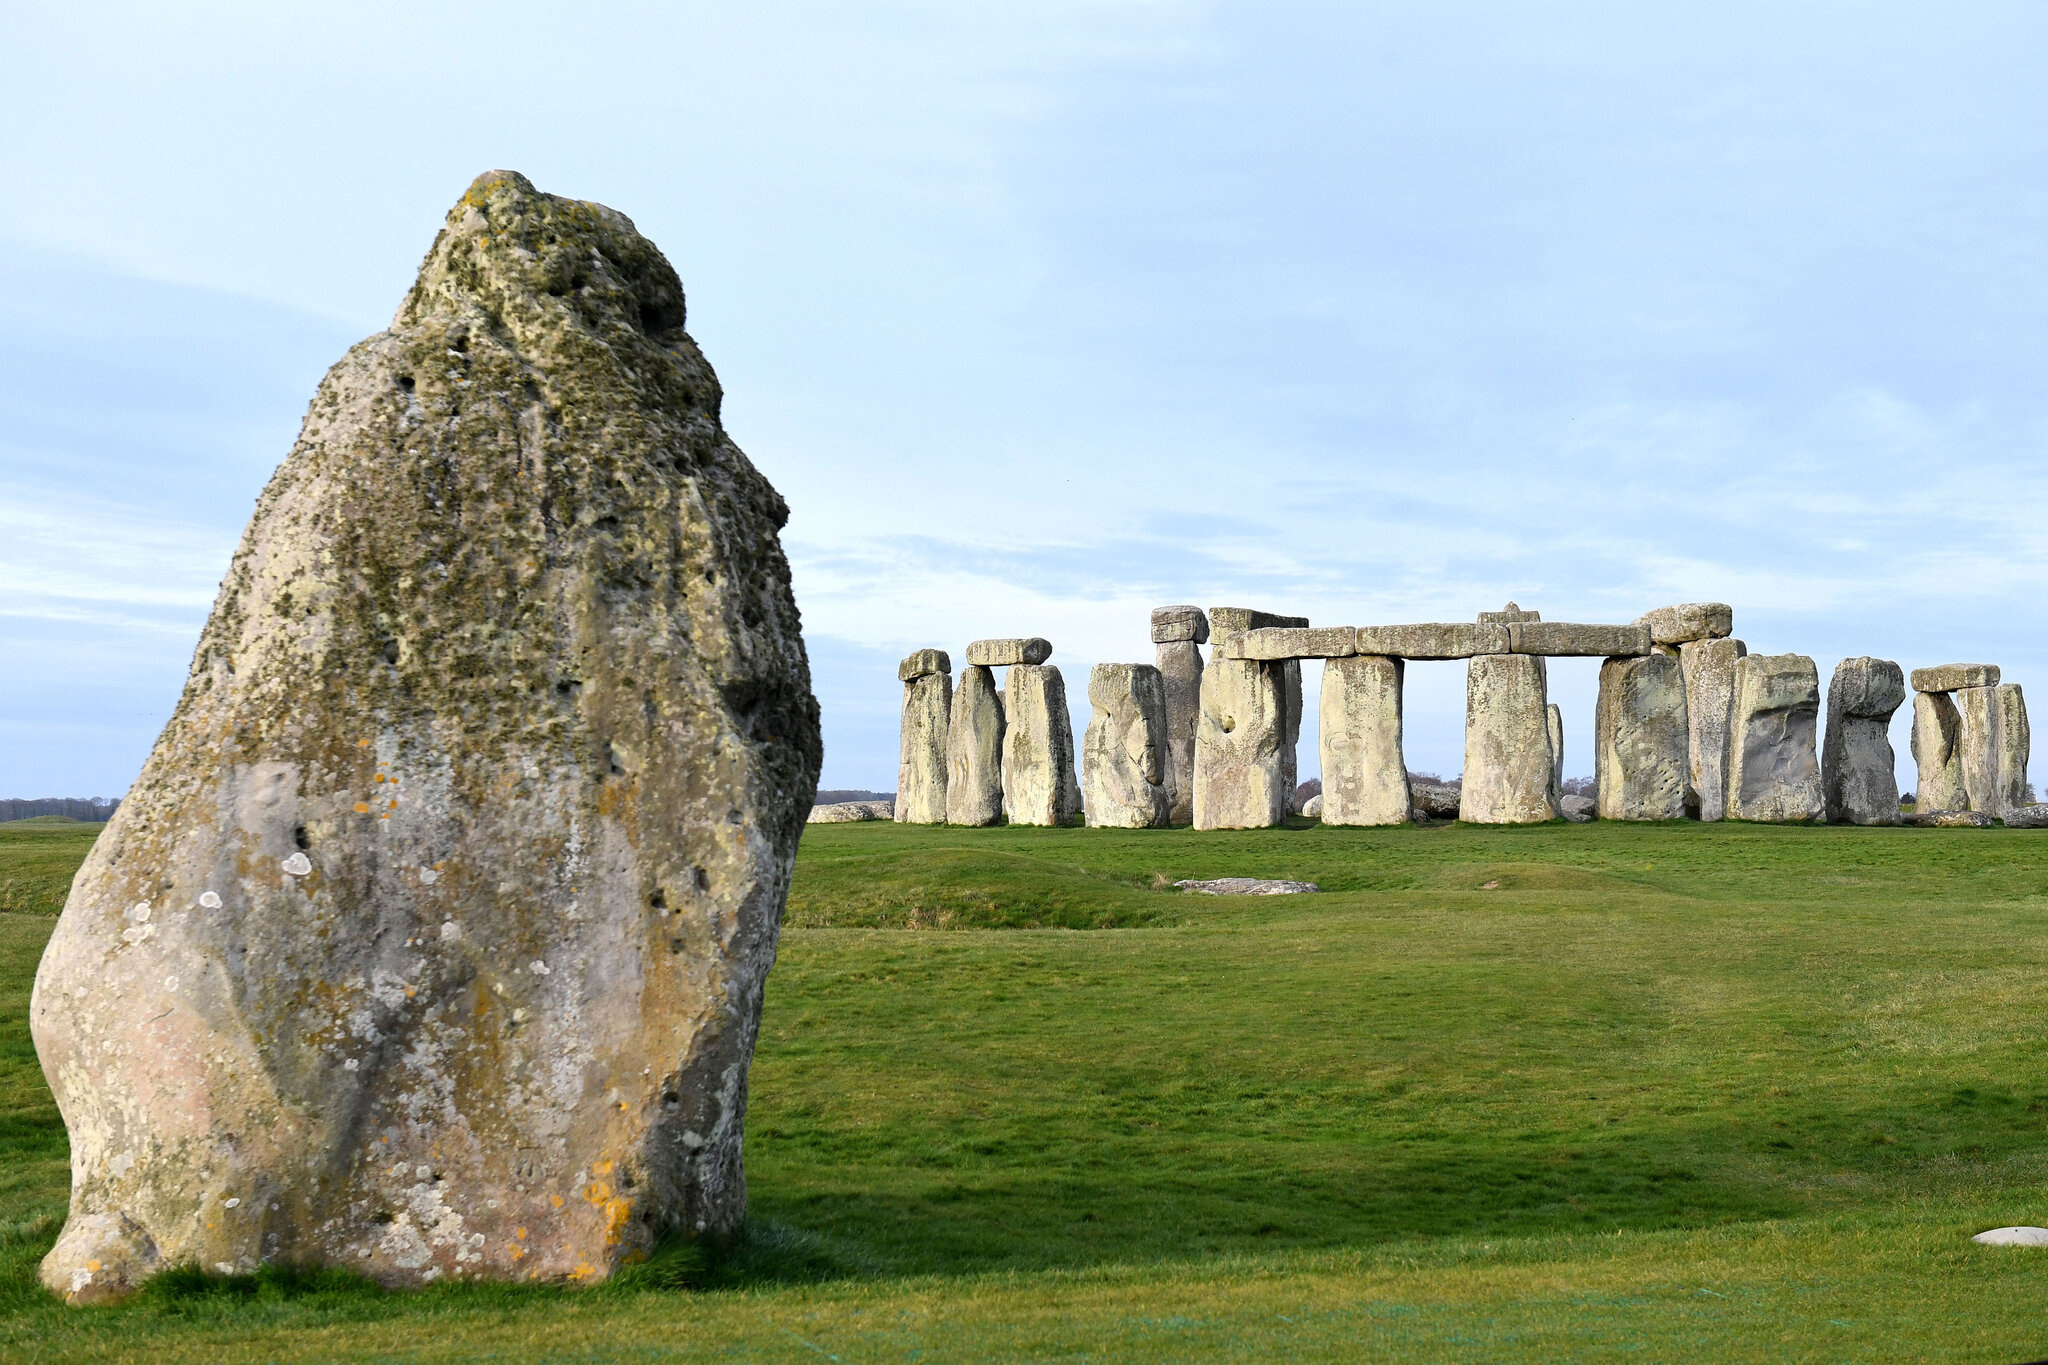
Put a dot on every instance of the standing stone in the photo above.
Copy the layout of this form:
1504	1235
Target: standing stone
974	750
1640	739
1177	633
2015	742
1365	774
927	678
1709	668
1937	745
430	942
1038	747
1978	753
1508	766
1290	739
1859	781
1774	767
1123	751
1243	751
1556	717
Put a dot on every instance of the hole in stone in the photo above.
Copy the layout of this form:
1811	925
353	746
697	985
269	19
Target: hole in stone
299	838
391	651
703	878
658	900
405	381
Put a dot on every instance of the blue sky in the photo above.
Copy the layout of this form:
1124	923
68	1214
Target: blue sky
1043	317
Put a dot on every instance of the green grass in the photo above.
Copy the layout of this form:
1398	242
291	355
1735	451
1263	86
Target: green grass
37	859
1690	1093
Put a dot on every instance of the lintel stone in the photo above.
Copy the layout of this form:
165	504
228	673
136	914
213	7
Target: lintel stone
1007	653
926	662
1949	677
1272	643
1689	621
1565	638
1224	620
1172	624
1433	640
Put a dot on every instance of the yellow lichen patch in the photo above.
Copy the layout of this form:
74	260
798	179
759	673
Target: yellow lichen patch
556	1199
362	808
617	1213
583	1271
520	1233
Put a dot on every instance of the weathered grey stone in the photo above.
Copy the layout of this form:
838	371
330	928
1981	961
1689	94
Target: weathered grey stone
974	750
1937	743
1639	739
923	663
1007	653
1555	715
1248	886
851	812
1950	677
922	745
1290	737
1289	642
2013	1237
1709	667
1232	620
1180	672
1567	639
1978	751
1691	621
443	906
1434	800
1123	750
2015	743
1433	640
1171	624
1577	809
1508	617
1507	741
1239	781
1773	762
1365	775
1039	786
1859	784
1313	807
2030	816
1949	819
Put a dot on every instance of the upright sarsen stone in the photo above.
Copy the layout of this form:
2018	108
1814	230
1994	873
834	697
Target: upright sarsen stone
1177	634
1365	774
1709	668
430	942
1555	714
1123	751
1859	781
1978	752
1640	739
974	750
2015	743
1039	786
1508	765
1774	766
1239	782
927	678
1937	743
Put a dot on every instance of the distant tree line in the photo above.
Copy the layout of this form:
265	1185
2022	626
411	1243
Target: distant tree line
90	808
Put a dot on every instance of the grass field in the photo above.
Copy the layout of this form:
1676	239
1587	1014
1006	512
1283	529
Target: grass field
1585	1093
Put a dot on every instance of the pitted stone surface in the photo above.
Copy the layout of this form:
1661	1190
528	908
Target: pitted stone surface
1433	640
1639	739
1180	673
1123	751
1555	715
1434	800
1171	624
1688	622
851	812
1507	742
2027	817
1949	677
974	750
2015	743
923	663
1709	668
1566	639
1859	782
1774	760
1979	748
1937	742
1239	780
1008	653
1275	643
1039	784
1365	776
921	757
443	906
1248	886
1950	819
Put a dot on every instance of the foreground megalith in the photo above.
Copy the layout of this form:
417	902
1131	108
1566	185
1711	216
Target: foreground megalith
1039	785
1709	668
1242	729
1773	759
1640	739
1123	751
1936	743
974	750
1177	636
430	941
921	767
1859	778
1509	770
1365	772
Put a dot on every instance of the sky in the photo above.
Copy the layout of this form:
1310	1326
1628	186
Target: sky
1041	315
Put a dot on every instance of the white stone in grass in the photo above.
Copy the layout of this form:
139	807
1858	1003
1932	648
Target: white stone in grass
2013	1237
1246	886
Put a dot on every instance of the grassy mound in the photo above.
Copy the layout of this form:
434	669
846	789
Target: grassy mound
1572	1092
38	858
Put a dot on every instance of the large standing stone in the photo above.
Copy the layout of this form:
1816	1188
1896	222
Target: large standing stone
1365	774
1508	766
430	942
1709	668
1774	766
1180	673
1640	739
2015	743
974	750
1937	743
1555	714
1123	751
1290	738
1039	787
1859	781
1239	781
927	678
1978	752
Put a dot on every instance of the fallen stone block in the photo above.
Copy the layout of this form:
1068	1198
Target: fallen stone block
1123	751
924	663
1688	622
1774	760
1172	624
1433	640
1247	886
1434	800
2034	816
1859	781
849	812
1313	807
2013	1237
1950	819
1949	677
1577	808
1566	639
1639	739
1009	653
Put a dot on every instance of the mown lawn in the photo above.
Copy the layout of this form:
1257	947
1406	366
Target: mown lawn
1586	1093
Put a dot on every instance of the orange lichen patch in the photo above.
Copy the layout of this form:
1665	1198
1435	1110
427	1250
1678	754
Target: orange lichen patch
617	1214
603	1167
518	1253
583	1271
382	778
362	808
557	1199
520	1233
362	744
